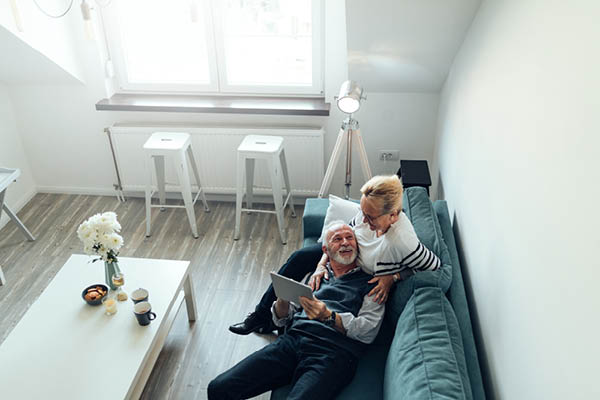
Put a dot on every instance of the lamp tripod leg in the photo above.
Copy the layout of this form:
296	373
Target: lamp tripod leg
332	163
362	153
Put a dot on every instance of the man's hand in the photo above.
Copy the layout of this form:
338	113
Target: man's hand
315	278
382	290
282	308
315	308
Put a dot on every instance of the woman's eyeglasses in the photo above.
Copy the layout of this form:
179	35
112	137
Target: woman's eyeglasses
372	219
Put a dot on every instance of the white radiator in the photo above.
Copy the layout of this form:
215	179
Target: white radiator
215	150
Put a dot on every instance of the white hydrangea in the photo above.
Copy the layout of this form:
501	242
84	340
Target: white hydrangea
116	241
99	235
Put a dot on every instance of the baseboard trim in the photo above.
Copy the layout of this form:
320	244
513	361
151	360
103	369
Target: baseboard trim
260	198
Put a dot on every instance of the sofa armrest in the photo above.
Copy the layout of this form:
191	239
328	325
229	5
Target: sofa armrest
314	218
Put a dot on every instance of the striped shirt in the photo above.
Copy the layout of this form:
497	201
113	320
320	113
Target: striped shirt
397	250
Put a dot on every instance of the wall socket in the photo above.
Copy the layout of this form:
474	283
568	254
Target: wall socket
389	155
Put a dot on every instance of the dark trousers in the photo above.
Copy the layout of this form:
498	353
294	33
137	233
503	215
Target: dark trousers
300	263
316	371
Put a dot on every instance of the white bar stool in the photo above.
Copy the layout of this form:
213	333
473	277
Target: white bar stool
269	148
178	145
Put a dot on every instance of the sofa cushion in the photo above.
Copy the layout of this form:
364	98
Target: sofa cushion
419	210
426	359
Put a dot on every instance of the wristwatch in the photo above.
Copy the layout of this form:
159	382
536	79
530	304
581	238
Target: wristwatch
331	320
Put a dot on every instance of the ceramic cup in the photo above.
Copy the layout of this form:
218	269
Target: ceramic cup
143	313
139	295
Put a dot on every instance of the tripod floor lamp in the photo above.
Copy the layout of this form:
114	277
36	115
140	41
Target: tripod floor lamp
348	102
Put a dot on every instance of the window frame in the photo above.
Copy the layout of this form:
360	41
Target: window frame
218	85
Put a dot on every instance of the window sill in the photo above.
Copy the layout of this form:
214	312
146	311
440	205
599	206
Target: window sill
215	104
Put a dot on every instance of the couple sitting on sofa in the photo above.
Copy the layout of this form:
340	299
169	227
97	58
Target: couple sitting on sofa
389	250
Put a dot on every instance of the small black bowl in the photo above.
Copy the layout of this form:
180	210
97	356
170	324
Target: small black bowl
98	301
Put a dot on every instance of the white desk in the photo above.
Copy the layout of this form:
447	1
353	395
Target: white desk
8	176
65	349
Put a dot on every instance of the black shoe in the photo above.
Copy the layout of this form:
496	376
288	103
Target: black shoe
252	323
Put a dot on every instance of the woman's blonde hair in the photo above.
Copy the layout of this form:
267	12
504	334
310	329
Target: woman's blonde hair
386	190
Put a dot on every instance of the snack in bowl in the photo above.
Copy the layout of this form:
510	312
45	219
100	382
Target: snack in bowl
94	294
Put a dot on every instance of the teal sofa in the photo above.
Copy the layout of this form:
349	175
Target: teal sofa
425	348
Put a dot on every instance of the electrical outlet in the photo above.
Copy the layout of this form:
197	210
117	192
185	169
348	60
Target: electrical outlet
389	155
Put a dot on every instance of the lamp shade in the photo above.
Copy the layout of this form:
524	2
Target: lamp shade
349	98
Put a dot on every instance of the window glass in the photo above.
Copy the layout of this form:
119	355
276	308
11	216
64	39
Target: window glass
161	43
267	41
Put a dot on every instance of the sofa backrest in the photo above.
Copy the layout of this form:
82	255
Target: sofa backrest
458	298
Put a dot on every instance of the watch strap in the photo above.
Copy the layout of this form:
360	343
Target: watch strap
331	320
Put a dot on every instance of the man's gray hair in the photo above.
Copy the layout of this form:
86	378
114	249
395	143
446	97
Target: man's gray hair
332	227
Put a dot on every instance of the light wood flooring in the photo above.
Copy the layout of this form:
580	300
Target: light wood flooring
229	276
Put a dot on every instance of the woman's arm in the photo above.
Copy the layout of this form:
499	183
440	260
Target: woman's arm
321	271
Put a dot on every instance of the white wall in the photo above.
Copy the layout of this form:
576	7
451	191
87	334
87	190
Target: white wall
51	37
400	46
12	155
63	134
518	155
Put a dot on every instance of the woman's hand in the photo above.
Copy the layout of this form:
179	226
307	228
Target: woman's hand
315	278
382	290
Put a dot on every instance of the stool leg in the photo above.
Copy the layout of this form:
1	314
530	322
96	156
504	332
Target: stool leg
2	278
148	193
159	164
250	162
241	163
197	176
286	179
275	171
186	190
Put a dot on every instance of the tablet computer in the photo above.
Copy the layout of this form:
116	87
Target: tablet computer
289	289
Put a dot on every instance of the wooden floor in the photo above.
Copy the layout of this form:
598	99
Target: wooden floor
229	276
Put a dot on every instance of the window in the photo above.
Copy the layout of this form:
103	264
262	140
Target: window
216	46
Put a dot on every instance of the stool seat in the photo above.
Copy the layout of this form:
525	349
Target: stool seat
178	146
261	144
269	148
167	141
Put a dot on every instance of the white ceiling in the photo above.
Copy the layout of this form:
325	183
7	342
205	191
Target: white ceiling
405	45
22	64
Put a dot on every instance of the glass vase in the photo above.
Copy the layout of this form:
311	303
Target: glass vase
110	268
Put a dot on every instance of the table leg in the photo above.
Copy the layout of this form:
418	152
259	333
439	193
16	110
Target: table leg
16	219
2	278
190	297
2	193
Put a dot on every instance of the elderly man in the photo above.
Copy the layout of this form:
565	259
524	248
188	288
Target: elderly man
319	351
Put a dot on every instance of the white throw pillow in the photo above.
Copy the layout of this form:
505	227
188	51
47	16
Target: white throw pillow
339	209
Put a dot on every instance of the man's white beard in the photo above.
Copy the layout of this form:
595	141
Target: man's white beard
344	260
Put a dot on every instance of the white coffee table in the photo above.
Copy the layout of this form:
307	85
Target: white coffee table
65	349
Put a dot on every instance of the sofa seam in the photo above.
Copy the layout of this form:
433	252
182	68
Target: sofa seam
421	350
447	331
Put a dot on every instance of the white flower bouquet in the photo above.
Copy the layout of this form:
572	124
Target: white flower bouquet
99	235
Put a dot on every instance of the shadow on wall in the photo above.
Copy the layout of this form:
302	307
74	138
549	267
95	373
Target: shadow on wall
440	188
488	385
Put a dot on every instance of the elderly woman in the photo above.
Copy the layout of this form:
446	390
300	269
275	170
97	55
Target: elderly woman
388	249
